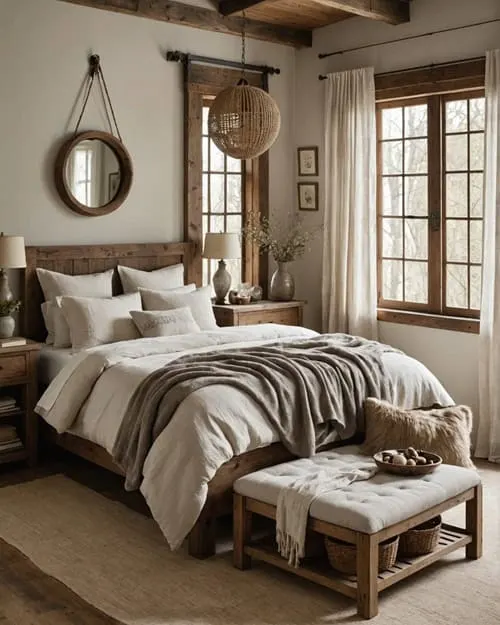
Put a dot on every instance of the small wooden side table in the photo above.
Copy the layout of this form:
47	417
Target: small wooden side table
19	379
286	313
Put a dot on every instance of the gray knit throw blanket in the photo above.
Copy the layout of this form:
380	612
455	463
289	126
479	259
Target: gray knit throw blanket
305	388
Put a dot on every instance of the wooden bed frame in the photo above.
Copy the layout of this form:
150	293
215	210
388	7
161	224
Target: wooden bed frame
75	260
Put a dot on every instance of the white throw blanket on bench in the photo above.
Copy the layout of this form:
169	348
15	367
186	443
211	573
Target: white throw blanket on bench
295	500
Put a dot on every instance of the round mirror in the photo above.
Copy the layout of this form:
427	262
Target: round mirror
93	173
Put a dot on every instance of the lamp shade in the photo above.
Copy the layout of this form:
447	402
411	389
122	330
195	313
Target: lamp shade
222	245
12	253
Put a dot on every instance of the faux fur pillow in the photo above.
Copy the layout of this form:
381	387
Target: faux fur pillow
444	431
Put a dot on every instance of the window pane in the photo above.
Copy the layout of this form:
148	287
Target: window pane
233	265
216	158
456	195
392	271
456	153
217	193
392	195
477	113
416	156
476	195
204	120
416	238
206	272
416	195
456	116
392	157
217	223
233	193
475	287
476	241
392	123
204	225
205	153
392	242
416	282
456	241
416	121
456	286
204	193
233	164
477	151
233	223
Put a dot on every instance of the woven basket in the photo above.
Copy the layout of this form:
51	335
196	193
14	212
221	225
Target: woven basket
342	556
421	539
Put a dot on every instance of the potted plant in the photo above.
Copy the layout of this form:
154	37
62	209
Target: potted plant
286	243
7	322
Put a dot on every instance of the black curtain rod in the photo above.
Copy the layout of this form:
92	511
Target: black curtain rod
390	41
420	67
182	57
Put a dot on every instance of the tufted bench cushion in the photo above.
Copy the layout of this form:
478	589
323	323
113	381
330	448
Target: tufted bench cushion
368	506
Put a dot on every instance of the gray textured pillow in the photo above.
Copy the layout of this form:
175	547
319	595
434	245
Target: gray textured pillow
94	321
199	301
165	322
162	279
444	431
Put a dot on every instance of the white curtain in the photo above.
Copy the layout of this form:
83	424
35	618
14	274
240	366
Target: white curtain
488	436
349	288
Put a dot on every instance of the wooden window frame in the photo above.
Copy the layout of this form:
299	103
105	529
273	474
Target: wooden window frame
434	85
202	82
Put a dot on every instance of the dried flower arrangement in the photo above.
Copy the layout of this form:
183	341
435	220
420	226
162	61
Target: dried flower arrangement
7	307
285	242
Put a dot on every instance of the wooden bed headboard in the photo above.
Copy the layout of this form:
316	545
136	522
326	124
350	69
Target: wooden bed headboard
83	259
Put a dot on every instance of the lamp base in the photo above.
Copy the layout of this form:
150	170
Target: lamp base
5	292
222	283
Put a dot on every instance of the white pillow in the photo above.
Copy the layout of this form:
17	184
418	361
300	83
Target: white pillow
62	336
160	279
87	285
198	301
94	321
49	323
55	284
165	322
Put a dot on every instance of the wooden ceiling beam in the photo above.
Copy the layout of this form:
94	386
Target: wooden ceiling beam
228	7
206	19
390	11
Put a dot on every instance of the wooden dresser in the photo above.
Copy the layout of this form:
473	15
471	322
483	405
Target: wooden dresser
286	313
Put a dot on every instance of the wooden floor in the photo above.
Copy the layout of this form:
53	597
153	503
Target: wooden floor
27	595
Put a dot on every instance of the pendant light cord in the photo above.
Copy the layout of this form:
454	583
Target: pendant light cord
243	80
96	70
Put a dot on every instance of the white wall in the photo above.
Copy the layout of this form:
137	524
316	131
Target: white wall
451	355
44	45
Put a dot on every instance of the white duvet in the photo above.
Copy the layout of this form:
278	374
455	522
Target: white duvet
90	395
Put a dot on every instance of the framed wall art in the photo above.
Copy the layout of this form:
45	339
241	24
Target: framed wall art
307	160
308	196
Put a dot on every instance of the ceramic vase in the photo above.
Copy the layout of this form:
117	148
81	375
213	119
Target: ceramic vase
282	284
7	327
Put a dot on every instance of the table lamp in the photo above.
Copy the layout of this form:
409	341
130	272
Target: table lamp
220	245
12	256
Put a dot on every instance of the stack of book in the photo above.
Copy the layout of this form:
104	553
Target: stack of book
7	404
9	440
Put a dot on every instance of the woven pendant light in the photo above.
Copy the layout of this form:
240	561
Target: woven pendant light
244	121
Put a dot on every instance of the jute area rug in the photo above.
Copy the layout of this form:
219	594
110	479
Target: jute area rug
117	561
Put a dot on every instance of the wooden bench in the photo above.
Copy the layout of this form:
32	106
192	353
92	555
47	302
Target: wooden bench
367	521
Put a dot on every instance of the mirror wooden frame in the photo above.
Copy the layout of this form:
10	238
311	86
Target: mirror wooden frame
126	173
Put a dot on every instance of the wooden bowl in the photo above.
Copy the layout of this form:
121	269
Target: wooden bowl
398	469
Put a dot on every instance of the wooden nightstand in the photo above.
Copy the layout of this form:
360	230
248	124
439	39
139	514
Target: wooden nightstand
286	313
18	379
